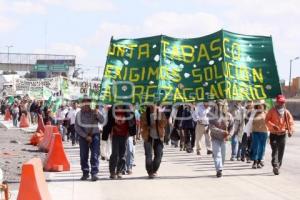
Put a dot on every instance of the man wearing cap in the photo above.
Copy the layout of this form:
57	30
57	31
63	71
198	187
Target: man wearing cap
280	123
221	127
86	126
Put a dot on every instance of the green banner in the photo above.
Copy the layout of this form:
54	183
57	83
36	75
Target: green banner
40	94
222	65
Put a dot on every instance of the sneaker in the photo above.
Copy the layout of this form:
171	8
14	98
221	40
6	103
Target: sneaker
261	163
119	175
155	174
95	178
129	172
243	159
238	159
258	166
209	152
84	177
198	153
151	176
232	159
254	165
276	170
113	176
189	150
219	174
248	160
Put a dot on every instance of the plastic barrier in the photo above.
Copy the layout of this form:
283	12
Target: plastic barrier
33	185
24	122
56	159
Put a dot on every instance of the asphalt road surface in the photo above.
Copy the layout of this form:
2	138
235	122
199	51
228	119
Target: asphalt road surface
184	176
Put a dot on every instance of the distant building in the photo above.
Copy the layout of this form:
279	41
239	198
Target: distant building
292	91
295	87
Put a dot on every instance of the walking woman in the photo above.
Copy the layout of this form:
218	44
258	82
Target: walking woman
15	114
247	137
259	134
153	123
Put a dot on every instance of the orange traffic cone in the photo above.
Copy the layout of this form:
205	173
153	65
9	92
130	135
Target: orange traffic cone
55	129
36	138
7	115
44	145
24	122
56	158
41	125
33	185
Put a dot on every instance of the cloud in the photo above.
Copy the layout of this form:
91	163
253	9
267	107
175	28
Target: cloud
83	5
41	6
91	6
182	24
64	49
167	23
107	30
27	7
22	7
7	24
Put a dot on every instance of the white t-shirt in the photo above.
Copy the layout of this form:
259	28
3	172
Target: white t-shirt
72	115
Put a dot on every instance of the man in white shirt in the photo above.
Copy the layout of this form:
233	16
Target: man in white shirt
200	117
61	116
72	116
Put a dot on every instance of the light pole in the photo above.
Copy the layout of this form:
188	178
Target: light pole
291	62
8	60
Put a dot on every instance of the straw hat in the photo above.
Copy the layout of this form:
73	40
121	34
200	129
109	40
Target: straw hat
260	102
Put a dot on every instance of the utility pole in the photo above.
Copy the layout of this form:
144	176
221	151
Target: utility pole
290	83
8	60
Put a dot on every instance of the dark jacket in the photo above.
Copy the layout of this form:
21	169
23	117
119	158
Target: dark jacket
179	115
187	122
110	122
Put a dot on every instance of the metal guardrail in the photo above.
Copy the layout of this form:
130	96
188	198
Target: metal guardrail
30	59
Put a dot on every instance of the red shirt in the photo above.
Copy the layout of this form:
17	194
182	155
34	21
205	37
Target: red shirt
121	126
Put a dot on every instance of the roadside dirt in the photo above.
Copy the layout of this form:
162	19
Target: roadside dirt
14	151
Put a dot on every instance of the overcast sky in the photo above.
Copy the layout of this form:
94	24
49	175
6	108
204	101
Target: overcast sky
84	27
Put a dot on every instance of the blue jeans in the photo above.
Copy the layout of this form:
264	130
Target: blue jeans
219	152
129	154
258	146
118	150
84	154
15	121
156	146
235	153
